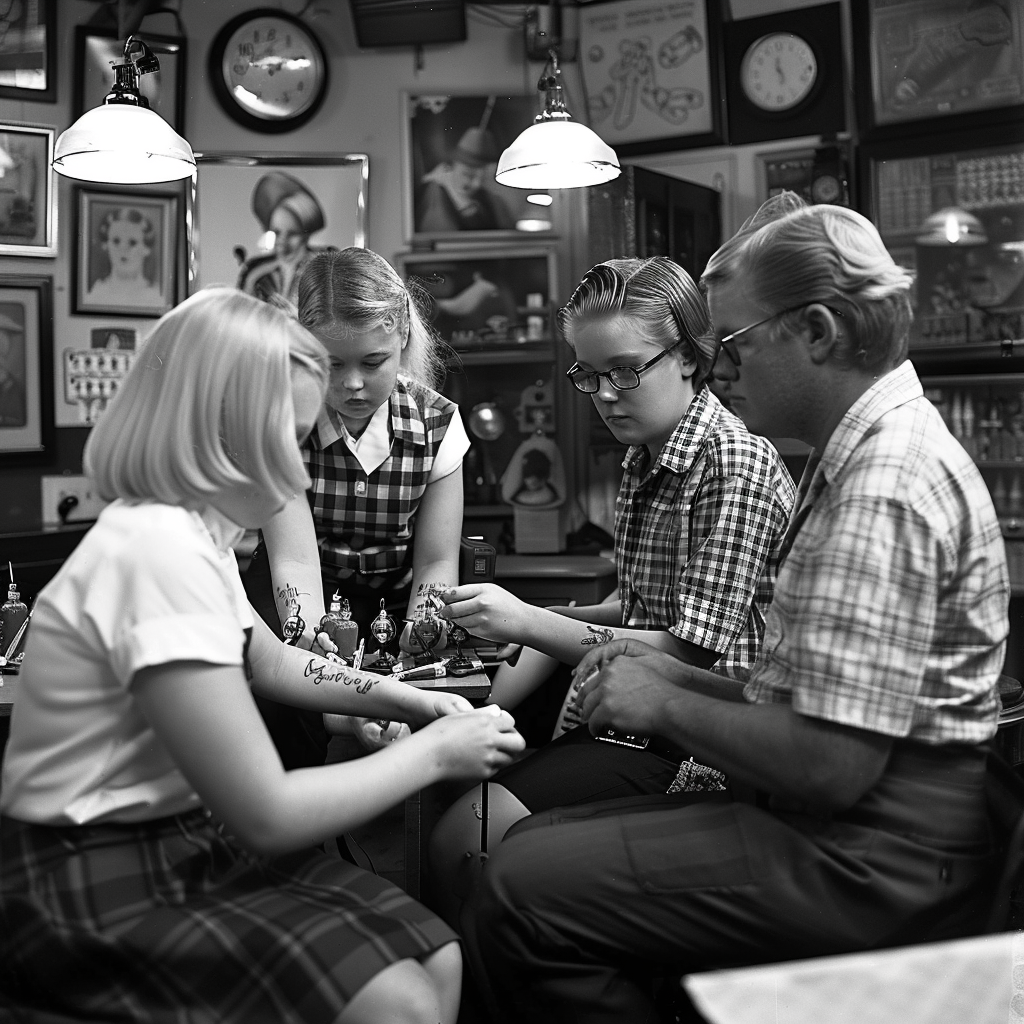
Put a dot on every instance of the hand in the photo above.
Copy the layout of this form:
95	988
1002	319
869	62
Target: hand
316	641
598	656
487	611
476	744
627	694
375	733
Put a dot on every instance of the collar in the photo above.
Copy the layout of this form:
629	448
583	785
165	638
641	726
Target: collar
684	443
399	416
225	533
896	388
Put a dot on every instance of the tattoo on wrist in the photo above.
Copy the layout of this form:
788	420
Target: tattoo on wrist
290	595
599	635
319	673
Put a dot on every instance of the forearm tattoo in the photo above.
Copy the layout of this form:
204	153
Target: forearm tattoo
325	672
599	635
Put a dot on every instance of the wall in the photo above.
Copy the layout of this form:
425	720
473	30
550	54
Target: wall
363	113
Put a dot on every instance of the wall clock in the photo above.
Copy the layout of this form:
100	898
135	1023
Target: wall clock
268	70
784	74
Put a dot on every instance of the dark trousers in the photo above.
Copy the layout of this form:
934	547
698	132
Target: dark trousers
299	735
580	908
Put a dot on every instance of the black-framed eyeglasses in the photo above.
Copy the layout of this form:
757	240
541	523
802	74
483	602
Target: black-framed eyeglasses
728	343
622	378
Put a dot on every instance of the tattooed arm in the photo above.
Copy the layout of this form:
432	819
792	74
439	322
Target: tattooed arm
305	680
295	565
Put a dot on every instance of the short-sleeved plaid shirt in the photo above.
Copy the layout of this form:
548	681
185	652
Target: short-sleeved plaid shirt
697	536
890	613
364	522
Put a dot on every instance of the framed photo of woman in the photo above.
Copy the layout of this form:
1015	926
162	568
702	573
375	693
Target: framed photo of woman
127	256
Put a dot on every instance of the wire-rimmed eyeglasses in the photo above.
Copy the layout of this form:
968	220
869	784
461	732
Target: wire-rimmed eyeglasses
622	378
728	343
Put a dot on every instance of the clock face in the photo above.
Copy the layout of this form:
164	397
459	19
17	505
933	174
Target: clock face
778	71
269	70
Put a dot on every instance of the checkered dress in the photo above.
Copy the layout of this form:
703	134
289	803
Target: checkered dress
169	922
698	535
364	522
890	613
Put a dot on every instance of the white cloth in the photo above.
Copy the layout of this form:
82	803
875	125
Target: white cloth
149	584
967	981
373	446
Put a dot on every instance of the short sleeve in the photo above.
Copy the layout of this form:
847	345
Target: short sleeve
174	602
735	521
451	451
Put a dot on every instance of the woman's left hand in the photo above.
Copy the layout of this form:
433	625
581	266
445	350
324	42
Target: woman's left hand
376	733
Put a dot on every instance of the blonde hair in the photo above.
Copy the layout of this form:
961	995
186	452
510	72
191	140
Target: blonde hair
661	299
791	255
356	290
207	405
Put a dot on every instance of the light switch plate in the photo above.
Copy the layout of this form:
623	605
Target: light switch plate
56	488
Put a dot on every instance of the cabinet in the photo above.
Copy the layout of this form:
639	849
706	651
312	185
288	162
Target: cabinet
494	307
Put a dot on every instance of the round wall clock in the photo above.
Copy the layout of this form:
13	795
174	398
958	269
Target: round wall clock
778	71
784	74
268	70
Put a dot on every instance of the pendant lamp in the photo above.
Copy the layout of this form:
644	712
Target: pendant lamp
952	226
556	151
123	141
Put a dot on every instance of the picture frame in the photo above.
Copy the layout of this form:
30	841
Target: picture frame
28	196
28	52
653	74
486	300
96	49
818	174
237	196
129	255
963	293
26	370
452	143
935	65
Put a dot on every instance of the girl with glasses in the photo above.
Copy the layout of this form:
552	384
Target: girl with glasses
700	519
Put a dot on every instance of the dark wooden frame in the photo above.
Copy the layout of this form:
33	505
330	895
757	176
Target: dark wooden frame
48	94
865	45
45	198
44	451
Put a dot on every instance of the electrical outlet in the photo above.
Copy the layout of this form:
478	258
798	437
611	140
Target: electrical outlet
56	488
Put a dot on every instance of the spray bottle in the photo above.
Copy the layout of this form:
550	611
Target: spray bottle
13	614
340	627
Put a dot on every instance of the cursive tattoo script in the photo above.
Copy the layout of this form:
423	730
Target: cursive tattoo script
598	636
317	670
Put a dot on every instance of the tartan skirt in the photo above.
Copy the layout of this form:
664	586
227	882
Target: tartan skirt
171	921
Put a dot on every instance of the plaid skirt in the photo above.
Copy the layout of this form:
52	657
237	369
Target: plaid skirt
170	921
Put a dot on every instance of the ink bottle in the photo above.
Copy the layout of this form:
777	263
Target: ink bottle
340	627
13	613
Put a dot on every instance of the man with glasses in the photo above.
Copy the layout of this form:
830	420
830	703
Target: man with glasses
858	734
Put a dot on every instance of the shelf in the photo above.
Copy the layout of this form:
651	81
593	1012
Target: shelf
487	511
544	352
999	463
953	358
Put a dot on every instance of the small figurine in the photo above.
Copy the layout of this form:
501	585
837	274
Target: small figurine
340	627
383	630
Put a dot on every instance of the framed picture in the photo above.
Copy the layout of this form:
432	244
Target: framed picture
487	298
28	51
653	74
259	218
96	49
937	65
127	258
951	210
26	369
816	174
28	199
452	148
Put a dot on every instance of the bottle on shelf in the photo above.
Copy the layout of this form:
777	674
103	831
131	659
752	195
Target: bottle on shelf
1000	496
969	440
956	416
1015	497
13	614
339	625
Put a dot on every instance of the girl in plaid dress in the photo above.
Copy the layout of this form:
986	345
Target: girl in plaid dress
382	521
699	524
157	863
